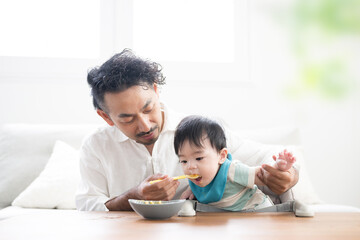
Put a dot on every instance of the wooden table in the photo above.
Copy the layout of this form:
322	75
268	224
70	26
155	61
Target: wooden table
60	224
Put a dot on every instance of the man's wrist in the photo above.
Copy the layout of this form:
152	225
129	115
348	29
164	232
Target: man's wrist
121	203
295	176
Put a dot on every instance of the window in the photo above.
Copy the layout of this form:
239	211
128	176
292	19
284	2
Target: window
41	28
194	40
60	39
185	30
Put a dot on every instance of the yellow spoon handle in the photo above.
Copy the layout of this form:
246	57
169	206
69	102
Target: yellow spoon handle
175	178
154	181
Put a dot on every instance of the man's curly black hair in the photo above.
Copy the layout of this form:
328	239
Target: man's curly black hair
121	72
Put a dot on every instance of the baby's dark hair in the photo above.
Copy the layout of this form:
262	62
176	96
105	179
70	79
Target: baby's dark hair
195	128
121	72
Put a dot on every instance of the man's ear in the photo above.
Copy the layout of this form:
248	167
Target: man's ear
105	117
156	89
223	155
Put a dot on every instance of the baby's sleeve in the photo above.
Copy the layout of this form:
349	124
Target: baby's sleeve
242	174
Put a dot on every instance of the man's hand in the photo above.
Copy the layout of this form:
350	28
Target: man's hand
163	190
278	181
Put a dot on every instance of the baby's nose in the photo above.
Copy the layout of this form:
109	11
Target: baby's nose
192	165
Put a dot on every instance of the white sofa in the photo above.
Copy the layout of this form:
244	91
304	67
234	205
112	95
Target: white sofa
39	166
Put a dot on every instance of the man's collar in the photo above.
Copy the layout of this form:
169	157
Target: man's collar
171	119
119	136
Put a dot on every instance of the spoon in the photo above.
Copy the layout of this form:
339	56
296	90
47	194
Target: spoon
192	176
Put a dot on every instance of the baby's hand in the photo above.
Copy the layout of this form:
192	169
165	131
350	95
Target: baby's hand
187	194
285	160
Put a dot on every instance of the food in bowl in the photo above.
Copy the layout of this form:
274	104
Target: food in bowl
151	202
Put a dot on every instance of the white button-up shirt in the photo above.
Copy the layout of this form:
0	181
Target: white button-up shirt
111	163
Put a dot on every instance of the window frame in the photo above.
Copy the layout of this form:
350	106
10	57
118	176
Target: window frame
201	72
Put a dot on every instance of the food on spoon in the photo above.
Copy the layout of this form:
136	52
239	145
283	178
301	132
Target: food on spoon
192	176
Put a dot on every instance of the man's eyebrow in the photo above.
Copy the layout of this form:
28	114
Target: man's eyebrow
146	104
124	115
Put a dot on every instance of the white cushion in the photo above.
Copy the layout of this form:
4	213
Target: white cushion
26	148
278	139
57	183
287	135
303	190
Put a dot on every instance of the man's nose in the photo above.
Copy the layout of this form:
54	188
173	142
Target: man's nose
144	123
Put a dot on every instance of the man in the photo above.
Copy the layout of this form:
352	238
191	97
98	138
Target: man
118	162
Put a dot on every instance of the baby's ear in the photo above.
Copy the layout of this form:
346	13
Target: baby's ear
223	155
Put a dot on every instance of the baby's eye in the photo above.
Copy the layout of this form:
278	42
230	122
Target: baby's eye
199	158
183	161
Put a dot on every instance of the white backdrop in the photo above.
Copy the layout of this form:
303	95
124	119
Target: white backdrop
330	129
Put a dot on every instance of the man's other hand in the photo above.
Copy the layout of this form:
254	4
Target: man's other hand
278	181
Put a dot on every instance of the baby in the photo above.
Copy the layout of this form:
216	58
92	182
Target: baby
200	144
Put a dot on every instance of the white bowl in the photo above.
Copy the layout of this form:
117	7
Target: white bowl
156	209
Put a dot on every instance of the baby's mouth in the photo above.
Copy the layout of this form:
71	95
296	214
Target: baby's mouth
198	179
